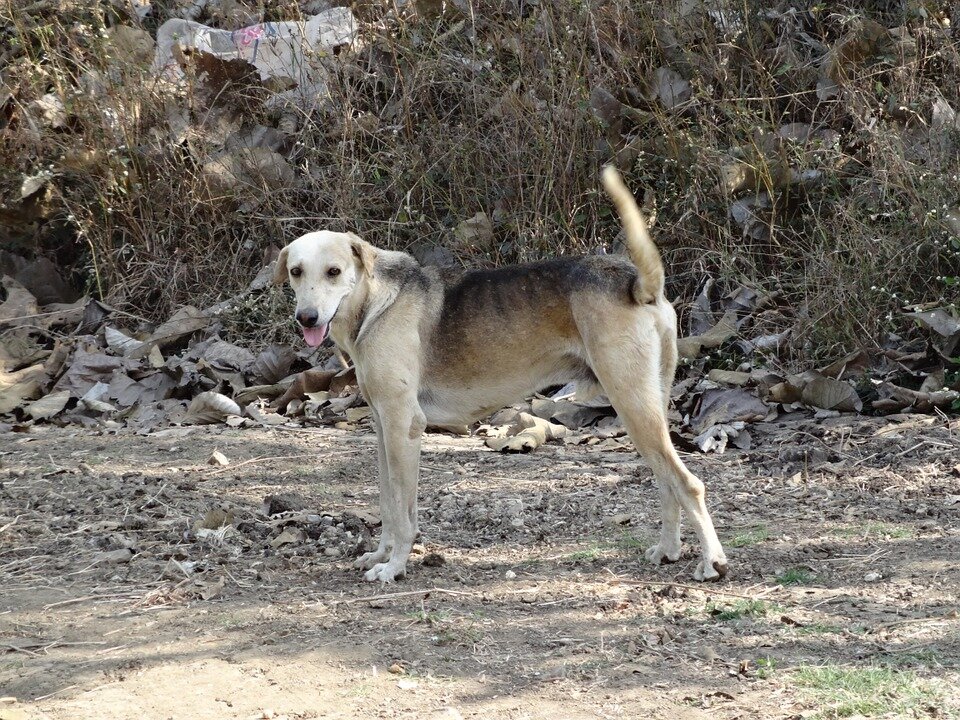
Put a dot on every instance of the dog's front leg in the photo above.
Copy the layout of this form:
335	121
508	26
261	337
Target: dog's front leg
387	524
401	424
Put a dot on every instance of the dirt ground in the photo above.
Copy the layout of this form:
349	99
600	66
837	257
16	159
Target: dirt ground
139	581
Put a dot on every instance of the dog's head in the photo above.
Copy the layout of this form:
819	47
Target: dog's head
323	269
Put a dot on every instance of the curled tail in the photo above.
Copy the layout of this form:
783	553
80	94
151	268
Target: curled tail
643	252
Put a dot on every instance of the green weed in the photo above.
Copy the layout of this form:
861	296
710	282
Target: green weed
868	691
794	576
749	537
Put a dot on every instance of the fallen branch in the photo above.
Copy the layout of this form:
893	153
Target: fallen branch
704	589
234	466
406	593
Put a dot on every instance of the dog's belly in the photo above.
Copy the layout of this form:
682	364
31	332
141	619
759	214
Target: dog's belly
460	401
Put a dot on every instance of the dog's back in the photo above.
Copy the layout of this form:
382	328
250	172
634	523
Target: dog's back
512	331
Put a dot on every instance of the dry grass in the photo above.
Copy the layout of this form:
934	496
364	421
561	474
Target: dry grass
510	109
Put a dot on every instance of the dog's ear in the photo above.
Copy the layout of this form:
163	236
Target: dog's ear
280	268
363	251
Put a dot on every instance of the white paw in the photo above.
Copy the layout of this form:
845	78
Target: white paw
660	554
368	560
385	572
711	568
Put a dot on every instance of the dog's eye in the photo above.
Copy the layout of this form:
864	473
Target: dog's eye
296	272
333	272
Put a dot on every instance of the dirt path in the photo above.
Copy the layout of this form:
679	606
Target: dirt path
528	597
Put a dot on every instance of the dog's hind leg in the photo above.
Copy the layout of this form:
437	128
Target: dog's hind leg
400	426
630	372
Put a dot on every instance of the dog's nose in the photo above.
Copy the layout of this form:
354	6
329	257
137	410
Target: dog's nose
307	318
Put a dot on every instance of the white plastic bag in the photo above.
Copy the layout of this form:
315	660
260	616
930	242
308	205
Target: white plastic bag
282	50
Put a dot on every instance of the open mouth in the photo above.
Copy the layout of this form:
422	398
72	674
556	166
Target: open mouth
314	336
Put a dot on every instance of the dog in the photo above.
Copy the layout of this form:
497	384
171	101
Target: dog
436	348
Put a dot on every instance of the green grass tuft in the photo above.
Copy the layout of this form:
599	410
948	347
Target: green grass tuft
749	537
794	576
867	691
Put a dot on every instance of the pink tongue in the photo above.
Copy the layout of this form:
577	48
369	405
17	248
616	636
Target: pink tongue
315	335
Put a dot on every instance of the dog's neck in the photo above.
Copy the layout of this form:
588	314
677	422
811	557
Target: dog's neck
345	326
368	300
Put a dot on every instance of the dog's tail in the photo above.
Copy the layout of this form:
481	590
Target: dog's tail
639	245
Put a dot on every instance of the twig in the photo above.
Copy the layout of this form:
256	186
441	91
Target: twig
10	524
911	621
362	439
911	449
72	601
234	466
55	692
406	593
707	589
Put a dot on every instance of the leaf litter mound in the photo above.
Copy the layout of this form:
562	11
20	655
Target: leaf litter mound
83	363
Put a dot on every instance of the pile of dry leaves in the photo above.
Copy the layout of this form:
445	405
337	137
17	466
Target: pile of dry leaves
75	363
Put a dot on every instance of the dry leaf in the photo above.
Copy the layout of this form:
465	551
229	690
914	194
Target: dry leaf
830	394
273	364
718	406
726	328
183	323
20	305
227	356
120	342
210	407
785	392
48	406
155	357
12	395
669	87
729	377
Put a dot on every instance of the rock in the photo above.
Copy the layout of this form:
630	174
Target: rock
218	458
434	559
290	536
872	577
280	503
214	519
51	110
113	557
709	654
476	232
10	713
618	520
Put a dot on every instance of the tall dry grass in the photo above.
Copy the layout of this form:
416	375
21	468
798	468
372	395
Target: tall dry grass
511	109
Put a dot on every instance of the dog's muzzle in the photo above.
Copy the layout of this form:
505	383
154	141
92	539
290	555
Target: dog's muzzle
313	334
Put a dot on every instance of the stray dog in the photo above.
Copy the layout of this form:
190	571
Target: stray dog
438	350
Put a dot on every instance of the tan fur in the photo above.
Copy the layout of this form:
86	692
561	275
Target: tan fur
446	351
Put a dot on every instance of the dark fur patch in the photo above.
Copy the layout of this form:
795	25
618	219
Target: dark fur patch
403	271
513	307
503	288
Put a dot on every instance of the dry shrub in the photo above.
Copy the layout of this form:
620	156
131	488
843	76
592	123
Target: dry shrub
510	109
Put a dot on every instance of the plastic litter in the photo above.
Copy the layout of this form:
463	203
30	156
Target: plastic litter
277	49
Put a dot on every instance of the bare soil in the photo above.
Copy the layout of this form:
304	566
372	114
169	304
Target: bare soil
528	596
